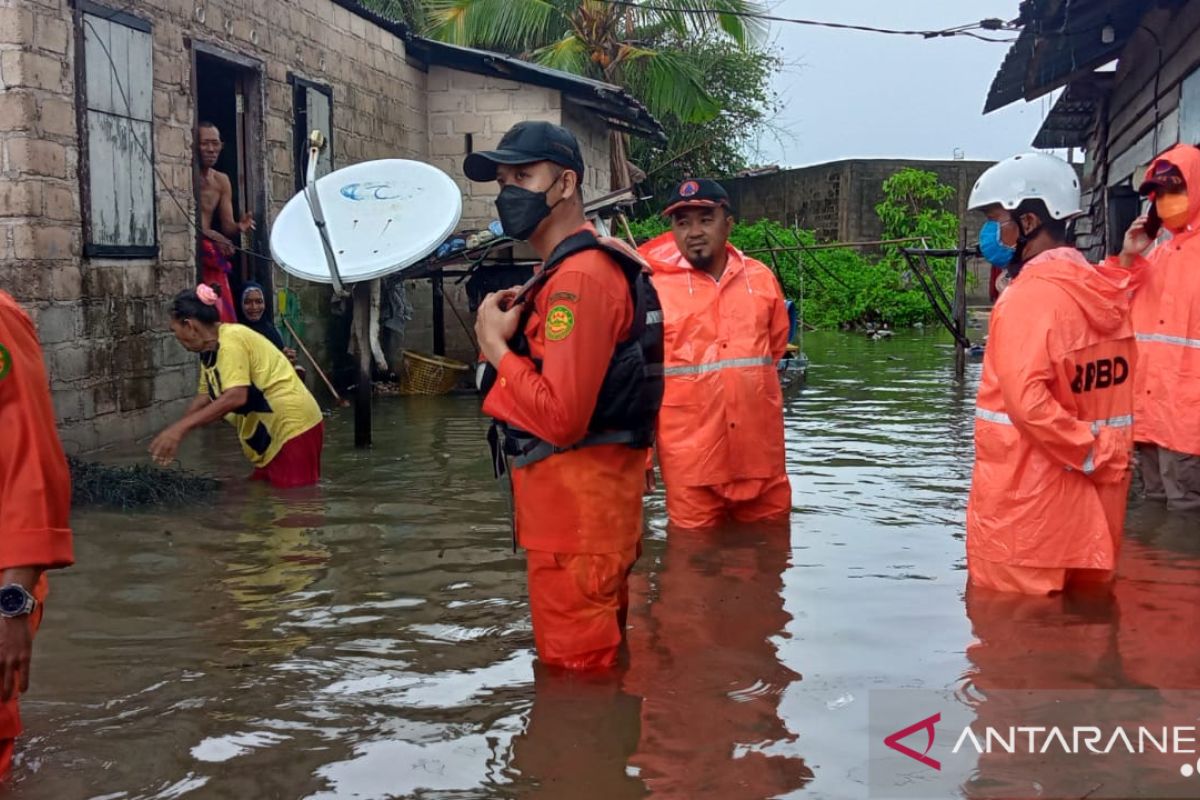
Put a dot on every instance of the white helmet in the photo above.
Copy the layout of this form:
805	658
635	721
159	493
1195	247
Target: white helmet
1029	176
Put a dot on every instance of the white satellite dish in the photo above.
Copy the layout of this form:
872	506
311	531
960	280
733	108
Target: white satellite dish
380	217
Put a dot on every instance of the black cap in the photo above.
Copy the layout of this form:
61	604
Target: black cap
1163	175
526	143
697	192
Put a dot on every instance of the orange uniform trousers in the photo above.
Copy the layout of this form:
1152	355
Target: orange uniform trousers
696	507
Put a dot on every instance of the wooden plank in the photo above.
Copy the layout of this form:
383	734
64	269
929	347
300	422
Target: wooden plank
122	199
1189	109
97	68
118	50
1129	163
141	75
101	160
142	185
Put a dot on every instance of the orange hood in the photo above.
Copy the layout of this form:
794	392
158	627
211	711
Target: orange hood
1186	159
1101	292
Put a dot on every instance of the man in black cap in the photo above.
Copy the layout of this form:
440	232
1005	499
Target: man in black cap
720	431
567	383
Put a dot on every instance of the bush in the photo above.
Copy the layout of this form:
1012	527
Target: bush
843	286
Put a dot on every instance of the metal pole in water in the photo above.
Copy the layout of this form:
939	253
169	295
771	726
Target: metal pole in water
960	305
439	315
362	394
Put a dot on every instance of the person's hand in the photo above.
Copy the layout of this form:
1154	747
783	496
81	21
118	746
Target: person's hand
1136	241
246	223
496	322
224	246
651	483
16	650
289	354
166	445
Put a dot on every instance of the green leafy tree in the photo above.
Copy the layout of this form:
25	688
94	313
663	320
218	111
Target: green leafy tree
646	48
739	79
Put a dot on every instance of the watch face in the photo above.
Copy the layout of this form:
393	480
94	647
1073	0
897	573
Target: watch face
12	600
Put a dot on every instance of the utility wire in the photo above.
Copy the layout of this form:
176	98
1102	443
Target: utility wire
961	30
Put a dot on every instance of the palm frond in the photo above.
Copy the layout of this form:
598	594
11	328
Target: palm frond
735	18
508	25
568	54
669	82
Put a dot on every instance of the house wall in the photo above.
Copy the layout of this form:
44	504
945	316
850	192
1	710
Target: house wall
1144	115
116	371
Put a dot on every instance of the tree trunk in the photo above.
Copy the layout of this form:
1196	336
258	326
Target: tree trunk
618	161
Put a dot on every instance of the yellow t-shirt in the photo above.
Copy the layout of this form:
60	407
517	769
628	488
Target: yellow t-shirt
279	406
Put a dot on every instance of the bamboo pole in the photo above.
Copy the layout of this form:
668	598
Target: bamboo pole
316	366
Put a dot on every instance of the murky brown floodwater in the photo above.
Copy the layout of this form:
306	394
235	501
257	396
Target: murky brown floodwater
371	639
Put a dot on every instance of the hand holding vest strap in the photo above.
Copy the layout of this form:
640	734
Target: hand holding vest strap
631	394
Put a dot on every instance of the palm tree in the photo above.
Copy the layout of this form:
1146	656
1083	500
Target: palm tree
641	45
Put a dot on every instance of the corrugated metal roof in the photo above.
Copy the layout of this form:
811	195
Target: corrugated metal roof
1061	40
617	106
1070	122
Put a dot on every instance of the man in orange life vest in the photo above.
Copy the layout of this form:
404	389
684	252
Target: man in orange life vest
1054	414
720	431
1167	326
573	381
35	508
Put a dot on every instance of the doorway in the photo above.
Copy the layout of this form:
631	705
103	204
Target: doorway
227	89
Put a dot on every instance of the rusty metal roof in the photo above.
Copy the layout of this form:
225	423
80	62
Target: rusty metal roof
1059	41
1070	122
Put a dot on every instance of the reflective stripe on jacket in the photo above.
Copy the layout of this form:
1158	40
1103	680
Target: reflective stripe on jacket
722	410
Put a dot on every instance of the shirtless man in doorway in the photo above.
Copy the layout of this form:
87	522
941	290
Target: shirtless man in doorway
217	224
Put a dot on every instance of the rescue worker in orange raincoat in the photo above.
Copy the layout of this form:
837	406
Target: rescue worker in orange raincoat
35	509
1054	414
573	380
720	430
1167	327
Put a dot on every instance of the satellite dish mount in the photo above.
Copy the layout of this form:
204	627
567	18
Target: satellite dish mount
317	143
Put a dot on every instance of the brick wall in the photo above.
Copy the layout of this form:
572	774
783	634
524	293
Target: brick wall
116	371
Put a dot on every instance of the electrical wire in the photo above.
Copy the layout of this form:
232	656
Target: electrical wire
960	30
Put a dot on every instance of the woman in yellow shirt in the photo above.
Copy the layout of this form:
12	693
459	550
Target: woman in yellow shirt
248	381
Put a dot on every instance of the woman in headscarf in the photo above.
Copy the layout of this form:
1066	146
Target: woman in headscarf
254	311
247	381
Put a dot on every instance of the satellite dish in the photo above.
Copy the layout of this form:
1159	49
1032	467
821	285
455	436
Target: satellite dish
380	217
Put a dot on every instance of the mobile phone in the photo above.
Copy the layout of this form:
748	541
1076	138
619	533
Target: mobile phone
1153	223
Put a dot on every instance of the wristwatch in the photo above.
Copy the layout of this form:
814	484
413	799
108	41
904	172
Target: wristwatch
16	601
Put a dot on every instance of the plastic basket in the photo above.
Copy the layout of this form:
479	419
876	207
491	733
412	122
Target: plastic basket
426	374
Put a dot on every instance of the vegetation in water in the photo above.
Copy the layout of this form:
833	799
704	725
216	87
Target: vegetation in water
137	486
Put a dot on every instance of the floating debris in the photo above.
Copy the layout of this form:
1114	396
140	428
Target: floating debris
137	486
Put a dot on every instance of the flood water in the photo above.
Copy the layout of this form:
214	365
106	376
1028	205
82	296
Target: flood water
371	638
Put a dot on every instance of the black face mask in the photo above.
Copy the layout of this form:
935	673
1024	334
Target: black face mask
522	211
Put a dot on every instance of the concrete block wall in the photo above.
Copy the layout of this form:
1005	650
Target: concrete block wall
116	371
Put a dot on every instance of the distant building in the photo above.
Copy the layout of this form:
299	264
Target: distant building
837	199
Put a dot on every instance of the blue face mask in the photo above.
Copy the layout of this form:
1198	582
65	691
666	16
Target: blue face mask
995	251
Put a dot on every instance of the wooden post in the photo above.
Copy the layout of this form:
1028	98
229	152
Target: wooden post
439	315
960	304
362	395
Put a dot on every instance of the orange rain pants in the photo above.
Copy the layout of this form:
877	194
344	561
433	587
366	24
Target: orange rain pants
1053	429
695	507
578	512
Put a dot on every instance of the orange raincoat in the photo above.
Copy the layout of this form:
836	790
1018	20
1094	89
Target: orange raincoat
721	422
1053	428
35	486
1167	326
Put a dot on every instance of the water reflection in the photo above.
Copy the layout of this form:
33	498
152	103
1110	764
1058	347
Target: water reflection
703	657
372	640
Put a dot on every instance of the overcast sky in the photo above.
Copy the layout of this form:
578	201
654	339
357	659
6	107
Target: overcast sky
849	94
